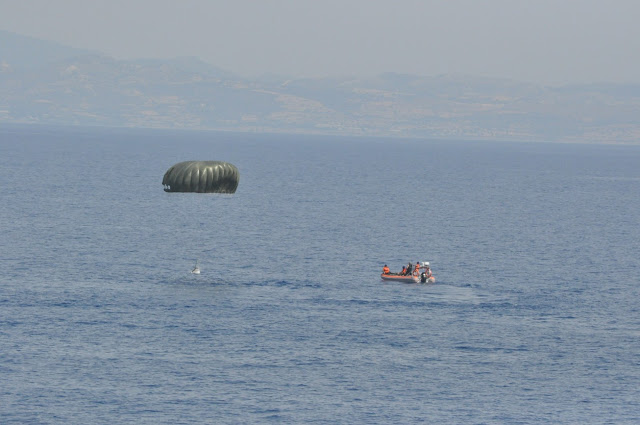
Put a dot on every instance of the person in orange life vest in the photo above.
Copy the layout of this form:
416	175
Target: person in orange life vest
386	270
417	269
404	270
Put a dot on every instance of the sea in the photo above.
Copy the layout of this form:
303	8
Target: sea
534	317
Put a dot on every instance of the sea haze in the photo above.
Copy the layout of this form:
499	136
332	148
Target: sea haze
533	319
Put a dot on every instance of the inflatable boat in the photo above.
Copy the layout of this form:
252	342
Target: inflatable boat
416	277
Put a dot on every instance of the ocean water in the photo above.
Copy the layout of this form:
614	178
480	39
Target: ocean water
534	317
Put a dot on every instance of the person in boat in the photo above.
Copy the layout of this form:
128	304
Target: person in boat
404	271
385	270
417	269
427	271
409	269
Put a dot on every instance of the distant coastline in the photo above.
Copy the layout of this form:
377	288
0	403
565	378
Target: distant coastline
61	129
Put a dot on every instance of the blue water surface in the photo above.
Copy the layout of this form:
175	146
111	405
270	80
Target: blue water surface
534	317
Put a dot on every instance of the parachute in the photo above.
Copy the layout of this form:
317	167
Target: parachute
201	177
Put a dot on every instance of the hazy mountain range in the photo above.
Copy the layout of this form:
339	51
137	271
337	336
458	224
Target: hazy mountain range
44	82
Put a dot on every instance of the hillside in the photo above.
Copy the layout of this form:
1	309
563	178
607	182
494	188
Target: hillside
42	82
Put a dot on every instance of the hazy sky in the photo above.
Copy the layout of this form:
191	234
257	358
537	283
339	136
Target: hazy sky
545	41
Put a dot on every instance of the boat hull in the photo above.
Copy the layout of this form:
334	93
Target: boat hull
405	279
399	278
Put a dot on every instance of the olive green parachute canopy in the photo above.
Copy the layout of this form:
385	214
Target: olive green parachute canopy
201	177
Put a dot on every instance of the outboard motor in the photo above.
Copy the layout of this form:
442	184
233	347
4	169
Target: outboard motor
423	278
